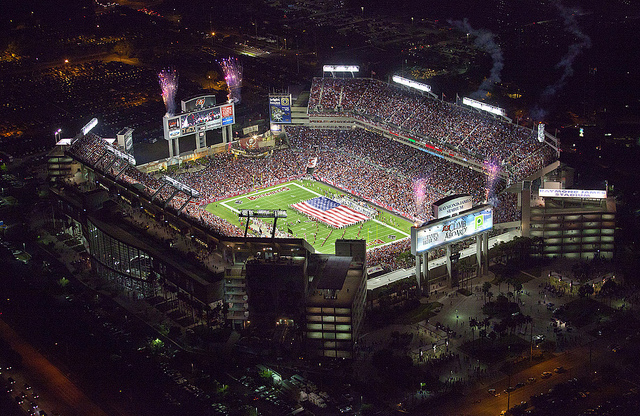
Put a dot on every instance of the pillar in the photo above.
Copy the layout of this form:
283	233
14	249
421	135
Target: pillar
425	270
418	270
479	261
448	256
485	249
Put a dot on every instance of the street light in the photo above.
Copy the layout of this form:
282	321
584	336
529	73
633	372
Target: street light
56	135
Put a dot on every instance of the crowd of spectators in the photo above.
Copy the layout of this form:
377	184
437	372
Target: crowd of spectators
387	172
476	135
381	171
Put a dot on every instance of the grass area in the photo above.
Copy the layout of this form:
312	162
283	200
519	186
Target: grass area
584	311
424	311
386	228
405	312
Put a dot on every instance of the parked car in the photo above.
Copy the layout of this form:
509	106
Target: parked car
546	374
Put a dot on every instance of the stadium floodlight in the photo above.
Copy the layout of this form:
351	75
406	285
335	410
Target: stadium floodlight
541	132
411	83
122	155
182	187
484	107
341	68
90	125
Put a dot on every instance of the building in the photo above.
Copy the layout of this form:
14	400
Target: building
336	302
574	223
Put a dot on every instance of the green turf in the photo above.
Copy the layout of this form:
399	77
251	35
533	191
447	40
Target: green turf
384	229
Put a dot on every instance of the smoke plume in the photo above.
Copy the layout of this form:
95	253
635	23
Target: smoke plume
484	40
581	42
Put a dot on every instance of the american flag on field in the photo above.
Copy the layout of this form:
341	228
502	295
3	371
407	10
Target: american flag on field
330	212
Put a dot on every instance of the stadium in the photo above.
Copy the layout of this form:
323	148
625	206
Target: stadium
382	152
348	169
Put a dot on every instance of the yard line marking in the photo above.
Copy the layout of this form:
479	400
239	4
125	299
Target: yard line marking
306	189
393	228
224	204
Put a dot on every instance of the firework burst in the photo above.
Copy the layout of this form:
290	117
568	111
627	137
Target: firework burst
232	70
491	169
168	79
420	195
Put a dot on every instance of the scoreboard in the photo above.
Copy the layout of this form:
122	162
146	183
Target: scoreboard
198	121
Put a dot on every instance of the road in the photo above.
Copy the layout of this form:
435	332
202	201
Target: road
480	403
57	391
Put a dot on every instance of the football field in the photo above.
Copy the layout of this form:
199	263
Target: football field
385	228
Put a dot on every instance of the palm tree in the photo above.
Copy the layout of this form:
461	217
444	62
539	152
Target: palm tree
473	324
517	288
485	290
482	334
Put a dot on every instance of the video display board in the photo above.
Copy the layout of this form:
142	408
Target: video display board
280	109
198	121
441	232
210	117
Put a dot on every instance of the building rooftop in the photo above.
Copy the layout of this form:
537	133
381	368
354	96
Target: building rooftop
334	273
337	282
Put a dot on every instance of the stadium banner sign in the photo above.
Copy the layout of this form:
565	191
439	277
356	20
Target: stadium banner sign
251	129
228	114
446	231
312	163
573	193
198	103
451	205
256	142
280	108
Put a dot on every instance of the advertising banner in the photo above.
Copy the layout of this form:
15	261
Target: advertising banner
440	232
227	114
280	109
